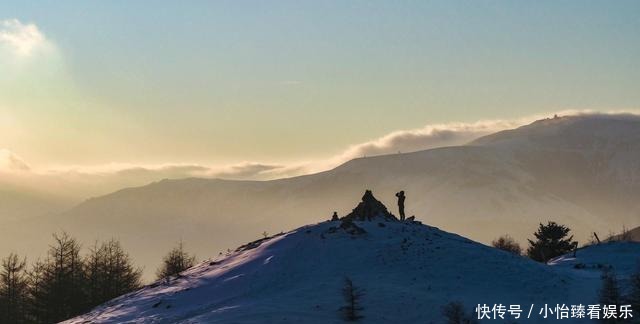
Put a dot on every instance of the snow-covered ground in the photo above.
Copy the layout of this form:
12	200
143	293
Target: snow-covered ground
407	270
588	264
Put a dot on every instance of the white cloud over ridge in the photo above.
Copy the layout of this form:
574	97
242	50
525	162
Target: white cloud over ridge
427	137
430	136
109	177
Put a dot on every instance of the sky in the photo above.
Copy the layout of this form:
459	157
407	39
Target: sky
246	87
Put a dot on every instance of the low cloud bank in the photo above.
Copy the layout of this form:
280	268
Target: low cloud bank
105	178
430	136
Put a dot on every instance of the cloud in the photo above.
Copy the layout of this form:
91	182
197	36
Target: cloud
238	171
433	136
85	181
23	40
164	171
427	137
243	170
246	170
10	162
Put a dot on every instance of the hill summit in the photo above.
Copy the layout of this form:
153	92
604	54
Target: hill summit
405	270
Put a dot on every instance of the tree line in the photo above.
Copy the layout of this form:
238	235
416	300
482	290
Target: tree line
66	283
553	240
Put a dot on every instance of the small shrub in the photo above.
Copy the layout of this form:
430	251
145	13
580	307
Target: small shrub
507	243
176	261
454	313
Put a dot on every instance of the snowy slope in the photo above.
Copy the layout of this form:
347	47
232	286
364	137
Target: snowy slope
609	144
408	270
623	258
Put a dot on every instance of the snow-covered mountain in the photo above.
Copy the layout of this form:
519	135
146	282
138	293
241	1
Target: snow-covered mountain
578	170
407	271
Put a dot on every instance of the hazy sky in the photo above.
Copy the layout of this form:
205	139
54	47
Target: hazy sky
218	82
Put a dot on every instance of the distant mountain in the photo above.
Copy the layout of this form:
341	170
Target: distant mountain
583	171
406	270
626	235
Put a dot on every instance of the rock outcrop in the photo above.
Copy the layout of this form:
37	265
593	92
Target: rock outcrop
369	209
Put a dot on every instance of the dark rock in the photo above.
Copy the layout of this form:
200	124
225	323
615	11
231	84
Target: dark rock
351	228
256	243
369	209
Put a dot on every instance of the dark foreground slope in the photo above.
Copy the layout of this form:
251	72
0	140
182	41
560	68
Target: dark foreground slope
407	270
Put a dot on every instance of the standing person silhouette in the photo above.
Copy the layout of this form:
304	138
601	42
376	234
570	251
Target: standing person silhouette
401	198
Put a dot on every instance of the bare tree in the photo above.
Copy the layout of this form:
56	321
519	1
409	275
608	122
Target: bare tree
37	312
176	261
13	290
351	312
58	285
609	294
623	236
110	272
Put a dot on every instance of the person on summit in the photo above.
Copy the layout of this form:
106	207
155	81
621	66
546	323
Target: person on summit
401	198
